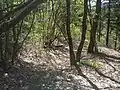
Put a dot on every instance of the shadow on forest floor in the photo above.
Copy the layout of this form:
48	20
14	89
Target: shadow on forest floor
30	77
51	71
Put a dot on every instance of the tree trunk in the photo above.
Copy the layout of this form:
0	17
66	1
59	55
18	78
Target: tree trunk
84	28
116	38
72	55
108	26
5	26
92	45
100	27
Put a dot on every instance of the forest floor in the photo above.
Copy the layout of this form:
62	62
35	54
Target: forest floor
40	69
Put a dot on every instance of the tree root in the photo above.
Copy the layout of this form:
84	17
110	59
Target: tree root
106	55
111	60
101	74
84	76
110	65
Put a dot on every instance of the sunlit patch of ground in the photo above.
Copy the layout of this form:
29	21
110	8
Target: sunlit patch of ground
50	70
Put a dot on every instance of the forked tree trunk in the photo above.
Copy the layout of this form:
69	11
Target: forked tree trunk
72	55
92	45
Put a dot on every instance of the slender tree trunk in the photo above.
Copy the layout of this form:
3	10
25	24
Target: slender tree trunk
116	38
84	28
99	29
92	45
116	34
89	12
108	26
72	55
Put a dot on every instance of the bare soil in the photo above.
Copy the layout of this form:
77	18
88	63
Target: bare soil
40	69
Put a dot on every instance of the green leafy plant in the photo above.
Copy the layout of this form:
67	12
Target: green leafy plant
91	63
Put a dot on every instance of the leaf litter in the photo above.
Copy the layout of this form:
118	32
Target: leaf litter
40	69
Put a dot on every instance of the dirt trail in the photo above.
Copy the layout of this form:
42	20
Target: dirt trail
50	70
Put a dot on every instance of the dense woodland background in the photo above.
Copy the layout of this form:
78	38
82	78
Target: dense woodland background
38	31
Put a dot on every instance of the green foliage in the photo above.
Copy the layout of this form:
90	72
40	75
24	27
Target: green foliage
50	20
75	31
90	63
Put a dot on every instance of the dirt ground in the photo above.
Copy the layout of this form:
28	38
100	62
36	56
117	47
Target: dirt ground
40	69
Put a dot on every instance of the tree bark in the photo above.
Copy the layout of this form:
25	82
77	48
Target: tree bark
84	28
92	45
108	26
5	26
72	55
